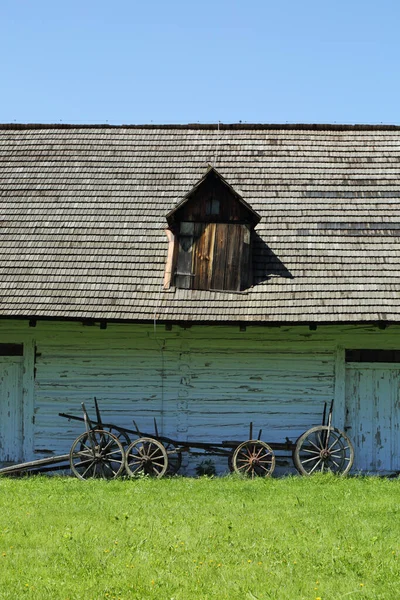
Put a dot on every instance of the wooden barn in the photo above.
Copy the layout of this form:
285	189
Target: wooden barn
204	275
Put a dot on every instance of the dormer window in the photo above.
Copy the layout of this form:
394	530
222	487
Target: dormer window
212	207
212	227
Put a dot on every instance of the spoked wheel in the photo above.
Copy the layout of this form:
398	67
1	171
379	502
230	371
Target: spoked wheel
174	458
146	456
253	459
323	449
97	453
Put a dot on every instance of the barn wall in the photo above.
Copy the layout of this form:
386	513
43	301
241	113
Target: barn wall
203	388
200	383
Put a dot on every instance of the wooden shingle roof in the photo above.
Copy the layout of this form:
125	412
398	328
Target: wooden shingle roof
83	213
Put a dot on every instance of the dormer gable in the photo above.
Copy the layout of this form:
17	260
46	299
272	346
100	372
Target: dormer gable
213	200
212	227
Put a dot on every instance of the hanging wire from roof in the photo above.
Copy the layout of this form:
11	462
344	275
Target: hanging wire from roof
161	346
217	146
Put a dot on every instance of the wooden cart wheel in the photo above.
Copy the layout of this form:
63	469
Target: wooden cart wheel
146	456
323	449
97	453
174	458
254	459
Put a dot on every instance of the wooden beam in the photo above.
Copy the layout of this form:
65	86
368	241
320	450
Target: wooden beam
339	405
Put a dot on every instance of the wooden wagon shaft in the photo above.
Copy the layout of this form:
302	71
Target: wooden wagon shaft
50	460
101	425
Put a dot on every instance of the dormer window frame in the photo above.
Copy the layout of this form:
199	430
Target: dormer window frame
212	229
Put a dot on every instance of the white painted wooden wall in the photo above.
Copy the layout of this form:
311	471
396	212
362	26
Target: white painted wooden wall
202	383
203	392
373	415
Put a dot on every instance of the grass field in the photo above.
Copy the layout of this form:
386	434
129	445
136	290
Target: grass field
294	538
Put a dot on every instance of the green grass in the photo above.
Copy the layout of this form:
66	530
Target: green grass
183	539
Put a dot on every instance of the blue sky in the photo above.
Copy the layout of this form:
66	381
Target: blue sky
200	61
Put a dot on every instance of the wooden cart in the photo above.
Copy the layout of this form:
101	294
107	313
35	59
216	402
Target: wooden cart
106	450
321	448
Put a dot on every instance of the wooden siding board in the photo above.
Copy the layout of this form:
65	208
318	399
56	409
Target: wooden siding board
234	250
28	397
372	415
246	261
339	413
203	255
11	409
217	282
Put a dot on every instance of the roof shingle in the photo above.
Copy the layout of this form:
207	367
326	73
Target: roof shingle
83	211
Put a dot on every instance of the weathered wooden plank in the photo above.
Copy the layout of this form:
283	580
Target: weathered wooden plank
183	278
203	255
339	405
372	398
246	263
234	249
28	397
11	415
32	465
382	420
219	261
395	421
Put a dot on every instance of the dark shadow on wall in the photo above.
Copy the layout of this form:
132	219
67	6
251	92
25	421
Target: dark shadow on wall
266	264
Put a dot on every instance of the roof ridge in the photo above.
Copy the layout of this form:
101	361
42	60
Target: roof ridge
244	126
